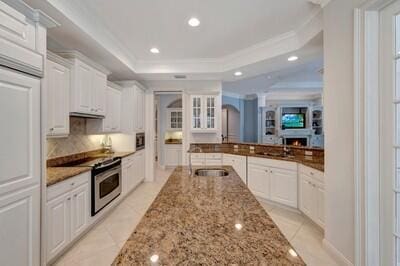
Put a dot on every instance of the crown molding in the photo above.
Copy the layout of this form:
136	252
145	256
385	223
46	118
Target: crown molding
58	59
322	3
35	15
73	54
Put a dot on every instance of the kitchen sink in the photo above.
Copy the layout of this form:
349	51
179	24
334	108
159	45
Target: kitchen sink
211	172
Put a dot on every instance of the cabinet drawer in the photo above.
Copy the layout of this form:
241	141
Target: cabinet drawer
213	161
67	185
214	156
313	173
127	160
198	161
273	163
198	156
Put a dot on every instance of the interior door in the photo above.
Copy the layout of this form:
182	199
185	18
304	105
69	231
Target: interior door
224	117
390	132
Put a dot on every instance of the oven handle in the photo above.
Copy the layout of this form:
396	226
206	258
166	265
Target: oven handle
109	164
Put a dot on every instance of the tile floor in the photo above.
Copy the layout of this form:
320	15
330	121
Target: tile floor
101	245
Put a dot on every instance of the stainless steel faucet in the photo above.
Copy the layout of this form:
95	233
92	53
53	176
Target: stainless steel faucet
190	159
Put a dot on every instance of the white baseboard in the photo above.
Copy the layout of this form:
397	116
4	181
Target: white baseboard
336	254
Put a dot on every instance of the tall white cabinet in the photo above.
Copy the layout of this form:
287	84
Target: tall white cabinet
23	48
19	169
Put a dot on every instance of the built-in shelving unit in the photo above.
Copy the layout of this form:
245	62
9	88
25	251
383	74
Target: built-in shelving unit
317	122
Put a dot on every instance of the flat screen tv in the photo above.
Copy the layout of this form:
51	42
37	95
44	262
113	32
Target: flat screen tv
293	121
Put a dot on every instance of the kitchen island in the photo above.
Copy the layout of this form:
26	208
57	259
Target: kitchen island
206	221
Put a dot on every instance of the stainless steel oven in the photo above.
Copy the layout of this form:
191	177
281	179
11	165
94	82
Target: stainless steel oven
106	183
140	141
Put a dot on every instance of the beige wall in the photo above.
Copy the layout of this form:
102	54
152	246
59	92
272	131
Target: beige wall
339	124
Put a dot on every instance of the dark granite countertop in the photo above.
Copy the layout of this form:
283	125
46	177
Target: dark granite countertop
310	161
206	221
56	174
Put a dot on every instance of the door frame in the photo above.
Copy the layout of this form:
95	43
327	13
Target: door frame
366	131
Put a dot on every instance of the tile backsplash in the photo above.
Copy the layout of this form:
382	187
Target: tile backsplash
77	141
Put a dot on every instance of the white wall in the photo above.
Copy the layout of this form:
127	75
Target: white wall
339	125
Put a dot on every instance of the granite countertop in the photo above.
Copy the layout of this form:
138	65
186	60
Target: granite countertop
206	221
173	141
310	161
56	174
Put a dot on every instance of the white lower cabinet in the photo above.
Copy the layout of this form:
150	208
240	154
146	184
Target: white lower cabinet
273	180
132	171
68	212
213	159
259	180
172	154
312	194
239	164
284	186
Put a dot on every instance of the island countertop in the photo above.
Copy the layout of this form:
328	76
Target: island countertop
206	221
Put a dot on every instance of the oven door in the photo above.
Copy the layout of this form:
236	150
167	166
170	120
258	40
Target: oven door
107	187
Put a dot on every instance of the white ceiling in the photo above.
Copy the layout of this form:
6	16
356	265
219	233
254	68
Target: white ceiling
227	26
300	78
253	36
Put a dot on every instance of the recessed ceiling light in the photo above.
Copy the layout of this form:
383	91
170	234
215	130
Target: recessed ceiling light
238	73
238	226
269	77
292	58
292	253
194	22
154	258
154	50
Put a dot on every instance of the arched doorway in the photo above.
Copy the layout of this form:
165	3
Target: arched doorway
230	123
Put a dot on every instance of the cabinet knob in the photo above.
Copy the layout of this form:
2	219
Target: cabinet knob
72	183
311	173
51	129
69	198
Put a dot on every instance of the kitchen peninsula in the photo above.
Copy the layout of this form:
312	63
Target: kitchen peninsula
209	221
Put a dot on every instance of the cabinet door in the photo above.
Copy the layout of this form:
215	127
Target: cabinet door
139	100
210	109
239	164
99	85
196	112
259	181
108	120
284	186
171	156
58	86
320	209
79	210
141	166
20	227
116	124
307	199
82	90
58	224
20	131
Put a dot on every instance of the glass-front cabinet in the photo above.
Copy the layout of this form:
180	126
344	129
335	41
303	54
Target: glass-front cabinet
203	112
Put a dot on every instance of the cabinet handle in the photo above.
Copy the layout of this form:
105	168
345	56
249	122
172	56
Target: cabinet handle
51	129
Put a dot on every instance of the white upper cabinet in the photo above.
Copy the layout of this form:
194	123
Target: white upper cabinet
133	107
58	87
112	121
203	109
140	108
99	85
88	86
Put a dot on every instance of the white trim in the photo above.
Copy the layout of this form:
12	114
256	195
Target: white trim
58	59
336	254
366	135
73	54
